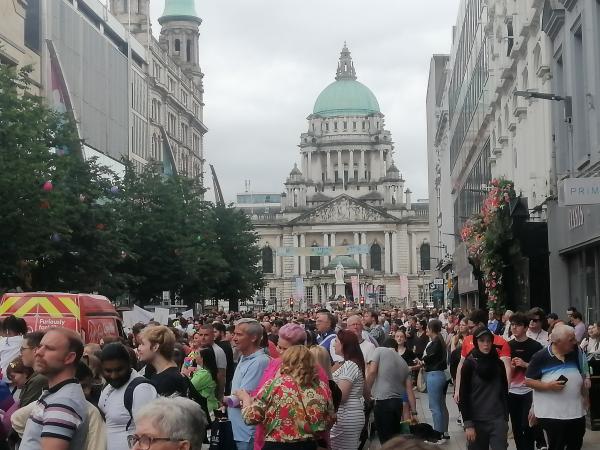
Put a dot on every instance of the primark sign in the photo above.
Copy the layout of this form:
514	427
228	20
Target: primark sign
579	191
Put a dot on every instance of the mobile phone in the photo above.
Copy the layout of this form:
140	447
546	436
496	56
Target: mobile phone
563	379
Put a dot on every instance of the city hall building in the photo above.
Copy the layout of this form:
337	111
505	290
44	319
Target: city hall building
345	204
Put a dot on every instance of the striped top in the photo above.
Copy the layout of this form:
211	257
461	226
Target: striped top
60	412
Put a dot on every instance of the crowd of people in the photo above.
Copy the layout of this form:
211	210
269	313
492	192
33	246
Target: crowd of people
302	380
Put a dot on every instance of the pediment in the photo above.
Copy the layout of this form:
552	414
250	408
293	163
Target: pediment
343	209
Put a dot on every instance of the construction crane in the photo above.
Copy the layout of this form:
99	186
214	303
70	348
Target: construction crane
219	200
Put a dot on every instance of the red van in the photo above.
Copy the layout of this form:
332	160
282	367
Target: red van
92	316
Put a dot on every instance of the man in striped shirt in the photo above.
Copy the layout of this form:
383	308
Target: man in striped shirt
59	419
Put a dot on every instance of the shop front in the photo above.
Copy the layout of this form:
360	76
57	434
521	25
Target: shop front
574	244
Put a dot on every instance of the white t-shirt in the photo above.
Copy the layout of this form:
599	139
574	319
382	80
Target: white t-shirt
539	336
366	347
112	405
219	356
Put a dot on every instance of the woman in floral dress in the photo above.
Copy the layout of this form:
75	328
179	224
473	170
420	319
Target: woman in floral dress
295	406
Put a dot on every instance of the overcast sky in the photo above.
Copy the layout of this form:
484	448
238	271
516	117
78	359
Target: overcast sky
266	61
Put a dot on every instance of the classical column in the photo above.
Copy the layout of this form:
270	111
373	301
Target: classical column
277	261
328	173
361	167
303	258
303	164
395	265
413	253
308	174
325	244
356	242
382	162
351	166
363	257
296	268
386	246
340	166
332	239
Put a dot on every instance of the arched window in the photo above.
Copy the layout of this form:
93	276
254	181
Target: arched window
188	50
425	256
315	261
177	45
376	257
267	260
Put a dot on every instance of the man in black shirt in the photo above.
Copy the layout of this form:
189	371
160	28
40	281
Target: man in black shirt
522	349
220	330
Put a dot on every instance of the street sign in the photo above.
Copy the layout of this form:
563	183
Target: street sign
438	281
431	285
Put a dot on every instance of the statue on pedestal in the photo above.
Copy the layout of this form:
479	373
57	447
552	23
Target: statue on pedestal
339	274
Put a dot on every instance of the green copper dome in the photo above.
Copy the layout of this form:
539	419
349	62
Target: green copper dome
346	97
348	262
179	10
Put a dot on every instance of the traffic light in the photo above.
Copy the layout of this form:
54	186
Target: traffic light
362	301
291	302
450	283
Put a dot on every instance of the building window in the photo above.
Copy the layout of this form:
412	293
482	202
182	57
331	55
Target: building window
32	25
381	294
308	295
375	257
188	50
354	126
184	133
171	125
315	261
326	126
425	256
171	85
363	125
177	45
196	109
510	38
335	126
184	98
273	295
267	260
345	125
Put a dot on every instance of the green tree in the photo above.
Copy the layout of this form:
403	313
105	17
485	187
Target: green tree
170	239
237	242
49	236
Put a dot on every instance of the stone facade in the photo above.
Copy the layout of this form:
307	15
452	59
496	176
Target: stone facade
168	124
349	192
19	36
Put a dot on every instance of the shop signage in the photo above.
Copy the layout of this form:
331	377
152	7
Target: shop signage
579	191
438	281
576	217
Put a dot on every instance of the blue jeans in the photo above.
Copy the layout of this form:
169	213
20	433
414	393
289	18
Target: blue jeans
437	386
245	445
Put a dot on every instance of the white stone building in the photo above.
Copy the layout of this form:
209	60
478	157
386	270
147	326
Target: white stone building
347	192
488	132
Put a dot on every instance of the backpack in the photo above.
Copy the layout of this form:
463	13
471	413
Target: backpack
128	396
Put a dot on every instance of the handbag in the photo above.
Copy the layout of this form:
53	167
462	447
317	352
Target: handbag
221	435
421	381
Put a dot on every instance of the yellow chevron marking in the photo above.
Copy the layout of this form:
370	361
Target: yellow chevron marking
50	308
28	306
9	303
71	306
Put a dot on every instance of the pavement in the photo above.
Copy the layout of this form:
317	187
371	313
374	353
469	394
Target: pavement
457	441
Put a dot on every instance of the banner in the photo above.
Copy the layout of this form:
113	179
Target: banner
189	314
355	287
299	294
324	251
161	315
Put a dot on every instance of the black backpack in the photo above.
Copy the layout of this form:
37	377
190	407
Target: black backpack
128	396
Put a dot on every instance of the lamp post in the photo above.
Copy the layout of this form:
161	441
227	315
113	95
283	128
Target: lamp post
568	110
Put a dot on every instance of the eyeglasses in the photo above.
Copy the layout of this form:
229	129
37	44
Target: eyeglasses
145	442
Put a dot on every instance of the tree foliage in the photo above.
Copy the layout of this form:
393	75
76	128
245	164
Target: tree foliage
72	225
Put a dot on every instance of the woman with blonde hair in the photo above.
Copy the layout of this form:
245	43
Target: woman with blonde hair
156	348
295	407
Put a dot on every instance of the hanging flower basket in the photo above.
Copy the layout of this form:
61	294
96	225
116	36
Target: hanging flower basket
491	247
